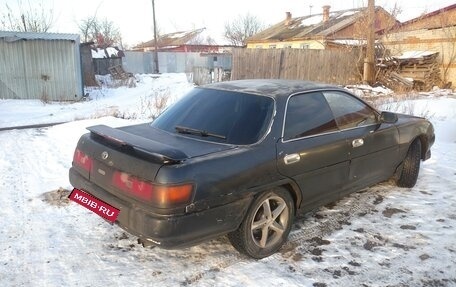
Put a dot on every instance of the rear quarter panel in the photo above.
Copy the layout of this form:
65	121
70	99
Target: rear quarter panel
226	176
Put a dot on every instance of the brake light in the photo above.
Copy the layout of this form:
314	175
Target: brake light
177	194
133	185
82	160
160	195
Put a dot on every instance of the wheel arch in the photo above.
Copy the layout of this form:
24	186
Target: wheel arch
294	191
287	184
424	145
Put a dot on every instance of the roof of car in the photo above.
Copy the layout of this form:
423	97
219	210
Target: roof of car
269	87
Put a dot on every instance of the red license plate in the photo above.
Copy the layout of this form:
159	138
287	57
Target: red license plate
92	203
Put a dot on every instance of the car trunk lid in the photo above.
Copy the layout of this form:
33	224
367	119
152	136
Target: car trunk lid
139	151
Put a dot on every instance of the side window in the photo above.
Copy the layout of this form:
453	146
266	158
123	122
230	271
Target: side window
307	115
348	111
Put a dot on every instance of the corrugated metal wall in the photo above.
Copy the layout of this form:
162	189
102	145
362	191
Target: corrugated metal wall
49	70
173	62
138	62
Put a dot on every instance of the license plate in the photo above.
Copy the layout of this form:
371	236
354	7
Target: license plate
94	204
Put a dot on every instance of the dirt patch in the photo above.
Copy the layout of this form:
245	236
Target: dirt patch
317	251
391	211
378	199
317	259
318	241
369	245
424	257
58	197
438	282
408	227
404	247
349	272
425	192
354	263
297	257
121	236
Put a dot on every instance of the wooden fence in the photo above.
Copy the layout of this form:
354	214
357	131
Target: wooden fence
329	66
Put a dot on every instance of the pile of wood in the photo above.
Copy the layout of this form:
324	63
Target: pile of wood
418	70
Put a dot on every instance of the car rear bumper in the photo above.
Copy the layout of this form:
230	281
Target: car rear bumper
168	231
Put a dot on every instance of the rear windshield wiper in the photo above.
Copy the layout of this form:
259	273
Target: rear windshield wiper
186	130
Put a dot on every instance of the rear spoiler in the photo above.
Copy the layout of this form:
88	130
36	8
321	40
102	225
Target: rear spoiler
153	150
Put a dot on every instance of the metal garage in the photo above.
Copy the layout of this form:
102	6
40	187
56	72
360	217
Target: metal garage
43	66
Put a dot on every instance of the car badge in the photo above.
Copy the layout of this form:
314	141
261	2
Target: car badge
104	155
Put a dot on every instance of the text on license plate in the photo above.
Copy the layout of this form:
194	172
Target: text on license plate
92	203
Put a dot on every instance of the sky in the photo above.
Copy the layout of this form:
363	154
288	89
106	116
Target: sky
381	236
134	17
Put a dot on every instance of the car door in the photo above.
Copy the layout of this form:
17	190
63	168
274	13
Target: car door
373	144
312	151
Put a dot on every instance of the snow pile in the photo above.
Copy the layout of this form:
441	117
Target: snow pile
99	53
364	91
414	55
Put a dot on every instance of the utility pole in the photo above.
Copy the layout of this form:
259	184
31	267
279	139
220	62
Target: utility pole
156	71
369	61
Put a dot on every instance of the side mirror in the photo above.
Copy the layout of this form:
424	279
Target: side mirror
388	117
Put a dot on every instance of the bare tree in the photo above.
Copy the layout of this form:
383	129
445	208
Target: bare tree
242	27
87	27
108	34
27	17
103	33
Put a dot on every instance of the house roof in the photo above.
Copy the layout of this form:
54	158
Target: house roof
451	20
176	39
311	26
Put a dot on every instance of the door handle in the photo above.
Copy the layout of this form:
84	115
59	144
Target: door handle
292	158
357	142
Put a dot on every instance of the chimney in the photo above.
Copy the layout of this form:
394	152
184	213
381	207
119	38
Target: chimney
326	13
287	18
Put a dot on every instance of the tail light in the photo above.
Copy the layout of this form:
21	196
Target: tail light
82	160
159	195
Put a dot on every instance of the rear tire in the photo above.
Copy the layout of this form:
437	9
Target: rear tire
266	225
411	166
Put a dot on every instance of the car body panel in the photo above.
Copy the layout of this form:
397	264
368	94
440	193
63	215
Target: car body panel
323	165
378	156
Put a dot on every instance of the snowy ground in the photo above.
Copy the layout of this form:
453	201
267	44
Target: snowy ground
382	236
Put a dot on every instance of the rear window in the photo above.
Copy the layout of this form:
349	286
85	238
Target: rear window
220	116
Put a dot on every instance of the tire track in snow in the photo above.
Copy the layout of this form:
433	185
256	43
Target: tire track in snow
15	248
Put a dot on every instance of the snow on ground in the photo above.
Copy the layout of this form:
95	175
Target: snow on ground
381	236
126	102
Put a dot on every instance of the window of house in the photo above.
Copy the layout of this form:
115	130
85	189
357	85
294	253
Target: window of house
307	115
305	46
272	46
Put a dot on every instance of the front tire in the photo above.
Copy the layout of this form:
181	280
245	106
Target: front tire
411	166
266	225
